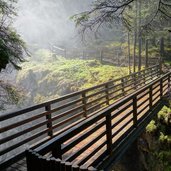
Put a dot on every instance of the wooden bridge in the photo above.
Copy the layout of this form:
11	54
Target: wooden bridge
85	130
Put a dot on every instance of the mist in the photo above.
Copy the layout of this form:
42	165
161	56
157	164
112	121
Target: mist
41	22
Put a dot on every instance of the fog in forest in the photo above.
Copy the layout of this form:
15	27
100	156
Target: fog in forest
43	22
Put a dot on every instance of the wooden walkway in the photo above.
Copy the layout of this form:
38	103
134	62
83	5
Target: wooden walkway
118	126
86	146
106	133
19	166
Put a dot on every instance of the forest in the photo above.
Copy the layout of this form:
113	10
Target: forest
90	79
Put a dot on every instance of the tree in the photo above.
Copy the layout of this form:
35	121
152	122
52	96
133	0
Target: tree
128	13
12	49
11	45
9	94
108	11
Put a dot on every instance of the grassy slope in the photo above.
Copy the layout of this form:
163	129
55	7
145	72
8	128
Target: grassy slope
62	76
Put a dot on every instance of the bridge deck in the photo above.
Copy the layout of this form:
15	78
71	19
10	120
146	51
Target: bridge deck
119	128
21	165
103	129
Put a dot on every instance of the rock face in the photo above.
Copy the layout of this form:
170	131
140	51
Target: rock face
132	160
39	88
46	80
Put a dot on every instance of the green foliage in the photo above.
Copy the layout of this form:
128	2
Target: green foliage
11	45
160	142
151	127
64	76
44	55
124	11
164	114
12	48
78	19
163	138
10	95
165	158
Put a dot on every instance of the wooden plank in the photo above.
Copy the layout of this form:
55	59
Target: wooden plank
95	150
96	106
34	136
17	124
85	147
97	100
82	137
75	167
121	119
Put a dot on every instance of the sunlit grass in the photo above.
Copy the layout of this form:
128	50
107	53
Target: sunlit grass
61	76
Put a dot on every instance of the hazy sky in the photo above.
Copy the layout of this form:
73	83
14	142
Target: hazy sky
48	21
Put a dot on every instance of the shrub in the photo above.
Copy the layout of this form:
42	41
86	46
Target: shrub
151	127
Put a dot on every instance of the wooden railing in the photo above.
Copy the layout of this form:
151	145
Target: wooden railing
37	124
106	56
89	144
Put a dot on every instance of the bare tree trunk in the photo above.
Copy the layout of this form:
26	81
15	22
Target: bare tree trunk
135	38
129	55
146	53
139	36
134	57
162	52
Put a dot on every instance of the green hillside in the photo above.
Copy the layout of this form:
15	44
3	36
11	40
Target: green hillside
53	77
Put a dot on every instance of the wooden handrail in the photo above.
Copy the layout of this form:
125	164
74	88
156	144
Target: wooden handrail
20	112
54	117
65	136
116	133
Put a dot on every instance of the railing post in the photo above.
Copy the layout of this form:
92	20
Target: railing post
107	93
75	167
63	166
84	55
84	101
134	79
29	159
68	166
92	169
56	151
65	53
101	56
109	133
150	97
151	73
144	76
158	70
55	164
161	87
49	117
122	82
135	111
146	53
83	168
139	77
169	83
